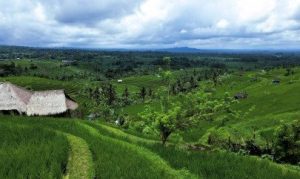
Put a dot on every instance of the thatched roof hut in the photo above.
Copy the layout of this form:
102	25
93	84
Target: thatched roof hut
49	103
34	103
13	98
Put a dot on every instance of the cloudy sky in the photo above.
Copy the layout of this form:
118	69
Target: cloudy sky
235	24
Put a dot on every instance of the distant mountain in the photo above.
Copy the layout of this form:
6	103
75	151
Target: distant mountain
180	50
168	50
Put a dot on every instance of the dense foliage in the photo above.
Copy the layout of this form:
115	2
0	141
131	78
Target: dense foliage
186	112
287	143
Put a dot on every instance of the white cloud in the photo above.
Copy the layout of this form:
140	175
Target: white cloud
148	23
183	31
222	24
254	10
39	13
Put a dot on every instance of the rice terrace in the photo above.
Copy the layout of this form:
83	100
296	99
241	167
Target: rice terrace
150	89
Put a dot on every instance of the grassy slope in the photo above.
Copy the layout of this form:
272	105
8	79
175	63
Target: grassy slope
31	152
51	68
272	106
155	161
112	158
118	154
206	164
37	83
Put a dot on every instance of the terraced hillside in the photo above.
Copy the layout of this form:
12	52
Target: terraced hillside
267	106
81	149
72	148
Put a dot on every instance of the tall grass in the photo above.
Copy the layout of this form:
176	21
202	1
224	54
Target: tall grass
112	158
207	164
215	165
31	152
116	156
141	163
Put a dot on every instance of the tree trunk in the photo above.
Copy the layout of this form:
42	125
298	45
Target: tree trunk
164	134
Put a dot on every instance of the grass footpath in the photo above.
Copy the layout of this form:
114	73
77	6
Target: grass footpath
80	163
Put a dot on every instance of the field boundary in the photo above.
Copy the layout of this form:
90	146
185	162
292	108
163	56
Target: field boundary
80	162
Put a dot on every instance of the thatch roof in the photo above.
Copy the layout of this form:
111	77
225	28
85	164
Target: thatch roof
47	103
13	97
34	103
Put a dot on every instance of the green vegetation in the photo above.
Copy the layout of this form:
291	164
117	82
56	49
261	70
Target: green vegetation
288	143
223	165
107	151
118	154
207	164
218	115
31	152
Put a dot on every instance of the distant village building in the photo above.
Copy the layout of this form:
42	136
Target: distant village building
68	62
241	95
2	72
276	81
120	121
31	103
92	116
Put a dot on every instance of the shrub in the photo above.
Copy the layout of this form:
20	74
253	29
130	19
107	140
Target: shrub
287	143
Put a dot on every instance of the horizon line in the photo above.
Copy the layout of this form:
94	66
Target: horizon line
153	49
